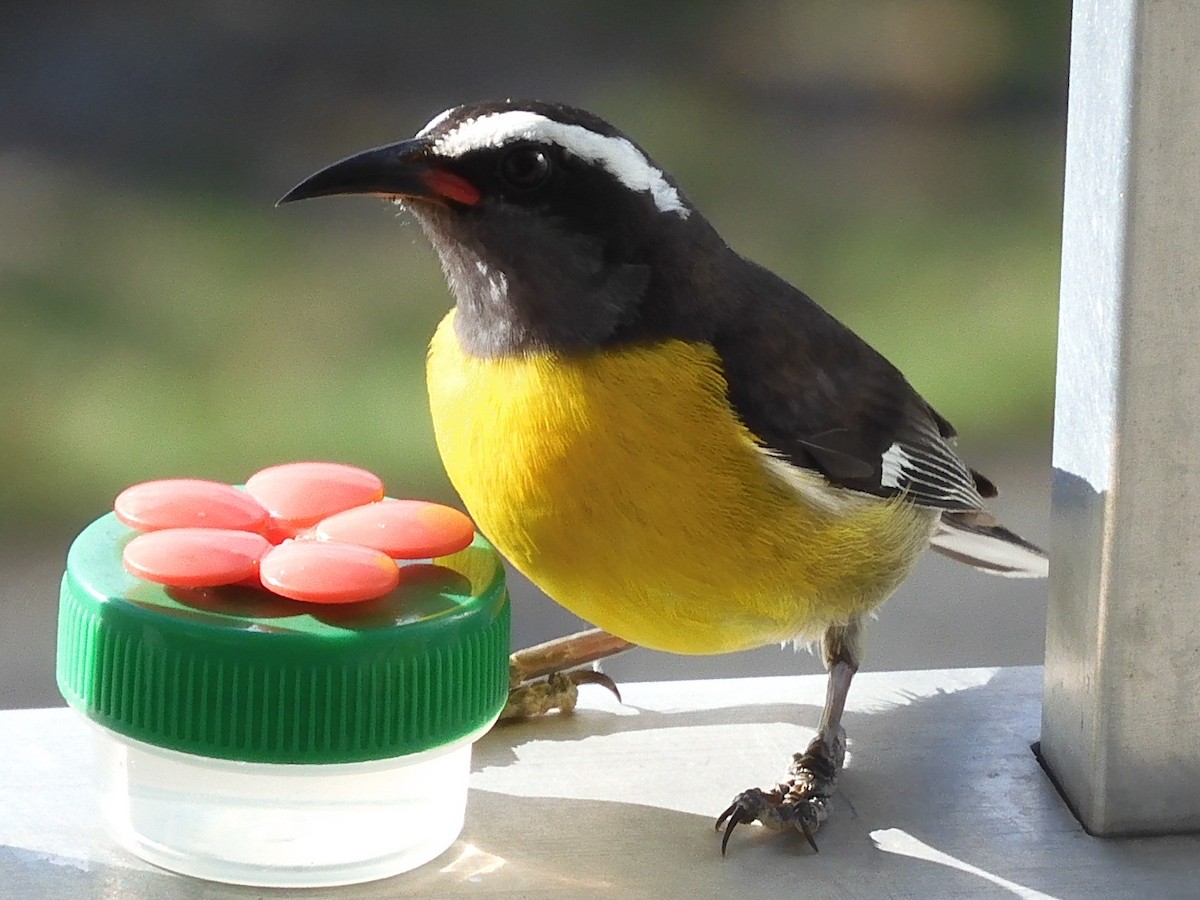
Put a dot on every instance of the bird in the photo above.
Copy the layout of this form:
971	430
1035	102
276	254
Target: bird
667	438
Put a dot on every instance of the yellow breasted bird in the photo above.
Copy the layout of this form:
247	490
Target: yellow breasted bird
668	439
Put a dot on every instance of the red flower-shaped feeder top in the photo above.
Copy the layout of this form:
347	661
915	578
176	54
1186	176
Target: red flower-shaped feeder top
312	531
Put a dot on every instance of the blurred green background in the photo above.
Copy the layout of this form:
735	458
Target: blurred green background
901	160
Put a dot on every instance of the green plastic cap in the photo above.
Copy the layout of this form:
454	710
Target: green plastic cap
238	673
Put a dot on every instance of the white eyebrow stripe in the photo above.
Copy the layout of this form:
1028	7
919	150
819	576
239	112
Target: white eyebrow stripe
617	155
435	121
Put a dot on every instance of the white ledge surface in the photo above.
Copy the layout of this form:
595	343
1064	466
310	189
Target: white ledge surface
941	797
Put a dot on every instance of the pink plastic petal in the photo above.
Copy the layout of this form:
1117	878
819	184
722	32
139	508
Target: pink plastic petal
403	529
195	557
188	503
328	572
298	495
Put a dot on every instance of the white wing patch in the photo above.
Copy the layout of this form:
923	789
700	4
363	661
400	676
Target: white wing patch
617	155
929	474
894	462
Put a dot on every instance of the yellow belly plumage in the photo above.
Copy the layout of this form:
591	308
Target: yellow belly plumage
622	484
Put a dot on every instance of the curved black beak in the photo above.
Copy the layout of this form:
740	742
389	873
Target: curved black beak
402	170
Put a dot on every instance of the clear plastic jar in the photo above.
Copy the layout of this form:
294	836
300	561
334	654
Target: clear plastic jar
282	825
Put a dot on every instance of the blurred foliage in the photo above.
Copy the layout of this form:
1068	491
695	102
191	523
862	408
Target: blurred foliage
900	160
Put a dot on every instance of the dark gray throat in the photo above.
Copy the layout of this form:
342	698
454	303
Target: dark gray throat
532	289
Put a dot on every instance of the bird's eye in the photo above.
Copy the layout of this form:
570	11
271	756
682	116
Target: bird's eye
525	168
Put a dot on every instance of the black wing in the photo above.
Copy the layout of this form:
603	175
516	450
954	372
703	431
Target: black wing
818	396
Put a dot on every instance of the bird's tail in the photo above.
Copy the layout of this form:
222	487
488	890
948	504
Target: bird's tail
977	539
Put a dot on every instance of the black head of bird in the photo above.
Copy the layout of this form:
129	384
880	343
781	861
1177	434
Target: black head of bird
553	228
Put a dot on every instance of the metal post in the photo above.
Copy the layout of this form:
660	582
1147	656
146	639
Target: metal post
1121	717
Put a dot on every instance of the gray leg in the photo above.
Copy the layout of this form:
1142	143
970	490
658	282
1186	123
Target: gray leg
801	800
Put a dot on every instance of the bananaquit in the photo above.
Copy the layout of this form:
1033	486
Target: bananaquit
668	439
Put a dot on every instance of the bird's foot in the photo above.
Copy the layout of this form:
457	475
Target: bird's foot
544	678
800	801
558	691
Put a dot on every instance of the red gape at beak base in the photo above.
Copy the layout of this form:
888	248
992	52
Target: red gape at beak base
452	187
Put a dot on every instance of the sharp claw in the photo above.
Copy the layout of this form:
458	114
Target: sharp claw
589	676
734	821
808	836
725	815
